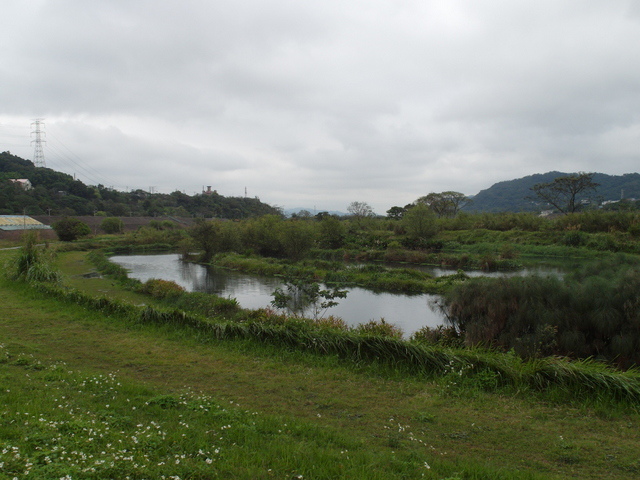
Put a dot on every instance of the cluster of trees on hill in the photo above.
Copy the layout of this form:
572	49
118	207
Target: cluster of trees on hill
57	193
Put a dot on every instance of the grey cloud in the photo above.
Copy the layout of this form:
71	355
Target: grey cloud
329	101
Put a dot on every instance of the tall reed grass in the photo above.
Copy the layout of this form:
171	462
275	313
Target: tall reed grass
591	313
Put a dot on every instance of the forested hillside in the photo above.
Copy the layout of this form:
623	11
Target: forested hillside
57	193
516	195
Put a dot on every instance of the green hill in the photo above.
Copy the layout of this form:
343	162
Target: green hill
57	193
516	195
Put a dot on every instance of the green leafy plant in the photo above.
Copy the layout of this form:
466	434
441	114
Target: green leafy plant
298	296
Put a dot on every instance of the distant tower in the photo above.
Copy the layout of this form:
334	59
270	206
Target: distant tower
38	153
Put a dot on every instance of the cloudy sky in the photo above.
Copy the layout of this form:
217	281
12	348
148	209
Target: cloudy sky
320	103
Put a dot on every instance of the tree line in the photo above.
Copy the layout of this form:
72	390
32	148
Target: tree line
56	193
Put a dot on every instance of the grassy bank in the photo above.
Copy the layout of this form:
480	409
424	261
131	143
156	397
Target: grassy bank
270	413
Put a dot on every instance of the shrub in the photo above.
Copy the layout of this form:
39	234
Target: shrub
42	272
584	315
112	225
69	229
420	222
162	225
29	254
443	335
33	263
380	328
296	238
206	304
161	288
332	232
574	238
332	322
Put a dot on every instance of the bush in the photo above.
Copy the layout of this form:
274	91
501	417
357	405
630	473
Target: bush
380	328
445	336
112	225
296	238
584	315
161	288
574	238
69	229
420	222
33	263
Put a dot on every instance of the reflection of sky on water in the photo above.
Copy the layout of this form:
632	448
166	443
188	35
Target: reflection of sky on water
408	312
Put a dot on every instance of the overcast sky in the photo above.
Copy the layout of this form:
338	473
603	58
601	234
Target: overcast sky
320	103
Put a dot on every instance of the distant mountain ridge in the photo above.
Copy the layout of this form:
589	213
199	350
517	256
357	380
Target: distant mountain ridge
517	196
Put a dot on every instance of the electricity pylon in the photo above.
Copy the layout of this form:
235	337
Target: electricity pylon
38	153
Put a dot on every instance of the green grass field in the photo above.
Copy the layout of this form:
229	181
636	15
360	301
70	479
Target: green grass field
84	395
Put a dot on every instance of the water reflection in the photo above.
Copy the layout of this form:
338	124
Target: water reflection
409	312
542	270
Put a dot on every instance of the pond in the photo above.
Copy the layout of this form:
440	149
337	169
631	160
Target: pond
409	312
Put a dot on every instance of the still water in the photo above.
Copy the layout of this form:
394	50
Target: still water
409	312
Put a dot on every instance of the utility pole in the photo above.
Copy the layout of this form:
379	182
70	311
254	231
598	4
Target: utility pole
38	153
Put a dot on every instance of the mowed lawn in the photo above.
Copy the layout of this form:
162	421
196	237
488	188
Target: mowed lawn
450	432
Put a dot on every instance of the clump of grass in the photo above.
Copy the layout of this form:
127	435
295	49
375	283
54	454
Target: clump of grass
162	289
332	322
33	262
206	304
443	335
380	328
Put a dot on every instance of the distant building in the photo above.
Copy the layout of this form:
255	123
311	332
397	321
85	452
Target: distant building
208	191
20	222
23	182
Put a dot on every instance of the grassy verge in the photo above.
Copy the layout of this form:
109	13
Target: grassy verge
156	402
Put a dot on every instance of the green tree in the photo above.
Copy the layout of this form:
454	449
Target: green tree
298	296
445	204
264	235
420	222
69	229
297	237
332	232
395	213
361	213
206	237
564	192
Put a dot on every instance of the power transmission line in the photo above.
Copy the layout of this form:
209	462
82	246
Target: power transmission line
90	173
